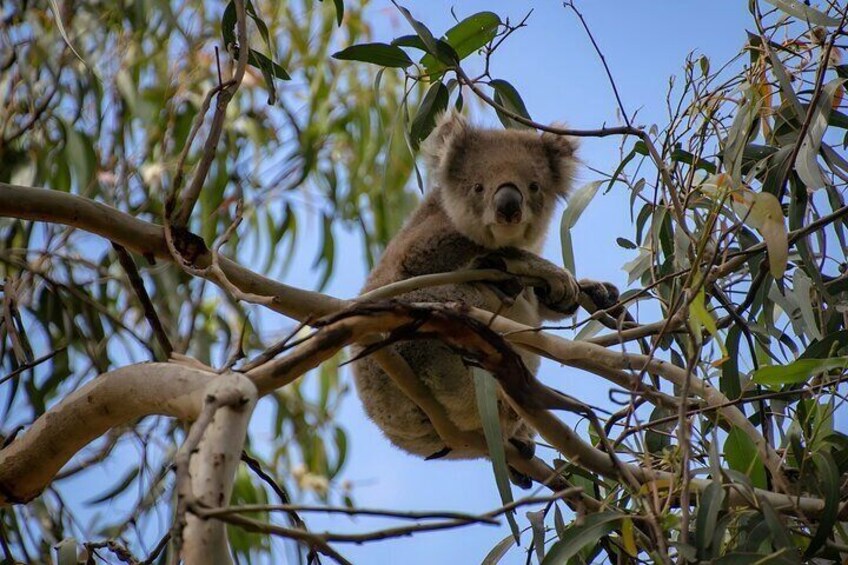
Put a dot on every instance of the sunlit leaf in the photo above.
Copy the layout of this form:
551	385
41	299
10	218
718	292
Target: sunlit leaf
577	203
466	37
805	12
576	537
740	452
806	164
798	371
801	291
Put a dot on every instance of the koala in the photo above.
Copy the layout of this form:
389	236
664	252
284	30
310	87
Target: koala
492	197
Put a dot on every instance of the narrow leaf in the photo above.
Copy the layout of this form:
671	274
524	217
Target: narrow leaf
487	405
575	538
828	475
807	164
377	53
577	203
798	371
537	525
496	554
434	103
804	12
708	508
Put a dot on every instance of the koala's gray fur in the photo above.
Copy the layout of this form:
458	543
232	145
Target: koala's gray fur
458	225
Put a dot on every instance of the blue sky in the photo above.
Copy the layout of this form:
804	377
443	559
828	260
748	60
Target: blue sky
553	65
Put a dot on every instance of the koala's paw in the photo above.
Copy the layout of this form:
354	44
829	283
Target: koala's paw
525	447
519	479
602	294
507	289
561	291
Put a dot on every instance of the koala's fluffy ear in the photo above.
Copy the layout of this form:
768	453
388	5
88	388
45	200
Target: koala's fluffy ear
560	150
450	128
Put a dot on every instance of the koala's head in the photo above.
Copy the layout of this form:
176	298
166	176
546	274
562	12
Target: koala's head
499	187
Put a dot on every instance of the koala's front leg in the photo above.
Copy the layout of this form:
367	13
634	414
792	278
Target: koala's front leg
562	291
559	293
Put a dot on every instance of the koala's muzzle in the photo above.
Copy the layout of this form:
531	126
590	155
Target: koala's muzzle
508	203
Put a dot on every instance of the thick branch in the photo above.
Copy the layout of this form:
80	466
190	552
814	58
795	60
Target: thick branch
144	238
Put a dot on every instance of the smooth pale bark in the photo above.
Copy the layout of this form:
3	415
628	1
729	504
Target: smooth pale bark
213	467
145	238
30	462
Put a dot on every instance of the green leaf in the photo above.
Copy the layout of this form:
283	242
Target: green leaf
801	287
339	5
66	552
377	53
496	554
779	534
439	49
577	203
627	158
466	37
487	405
741	455
709	505
828	480
434	103
559	523
537	526
805	13
228	24
412	41
507	96
765	215
57	16
576	537
806	164
798	371
625	243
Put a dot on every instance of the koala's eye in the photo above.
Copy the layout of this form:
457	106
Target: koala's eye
478	188
534	187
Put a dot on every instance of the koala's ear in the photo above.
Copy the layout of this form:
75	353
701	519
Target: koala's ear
560	151
450	127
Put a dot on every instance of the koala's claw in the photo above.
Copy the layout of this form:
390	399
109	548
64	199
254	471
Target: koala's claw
439	454
561	292
602	294
519	479
526	448
507	289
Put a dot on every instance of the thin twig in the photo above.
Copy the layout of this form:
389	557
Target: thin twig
147	306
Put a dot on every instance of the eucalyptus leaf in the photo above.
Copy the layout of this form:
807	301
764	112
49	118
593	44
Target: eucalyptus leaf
798	371
377	53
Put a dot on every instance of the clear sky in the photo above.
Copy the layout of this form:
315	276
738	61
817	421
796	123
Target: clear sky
553	65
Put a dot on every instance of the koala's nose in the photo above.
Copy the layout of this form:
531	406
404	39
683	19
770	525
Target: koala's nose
508	200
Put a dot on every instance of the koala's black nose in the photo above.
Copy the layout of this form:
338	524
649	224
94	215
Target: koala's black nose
508	200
